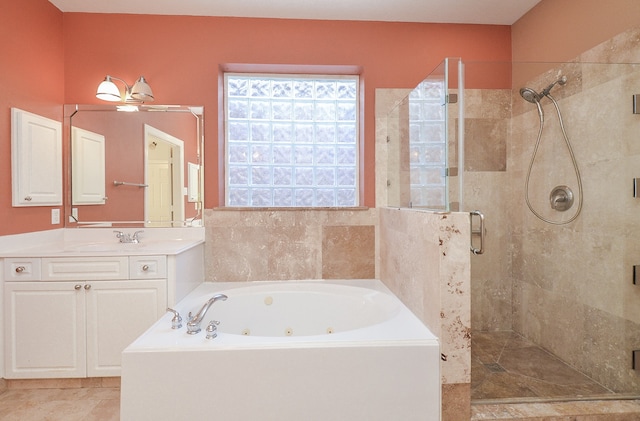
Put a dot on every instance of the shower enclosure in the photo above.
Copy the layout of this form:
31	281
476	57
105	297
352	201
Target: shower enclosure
560	287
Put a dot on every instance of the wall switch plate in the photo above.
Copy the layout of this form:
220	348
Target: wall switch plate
55	216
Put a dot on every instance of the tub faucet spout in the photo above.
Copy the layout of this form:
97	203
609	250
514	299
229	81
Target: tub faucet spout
193	325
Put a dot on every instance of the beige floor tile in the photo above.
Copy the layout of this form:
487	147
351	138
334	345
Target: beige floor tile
81	404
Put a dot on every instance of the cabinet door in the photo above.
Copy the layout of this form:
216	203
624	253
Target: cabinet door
117	313
87	167
44	330
36	160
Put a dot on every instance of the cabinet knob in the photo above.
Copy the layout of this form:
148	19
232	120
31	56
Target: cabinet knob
87	287
20	269
145	268
28	198
77	287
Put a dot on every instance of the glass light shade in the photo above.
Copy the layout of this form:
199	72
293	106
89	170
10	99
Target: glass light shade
141	90
108	91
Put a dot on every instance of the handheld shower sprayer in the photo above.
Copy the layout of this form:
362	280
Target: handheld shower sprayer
533	97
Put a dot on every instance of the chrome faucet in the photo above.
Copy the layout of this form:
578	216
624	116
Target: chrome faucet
193	325
128	238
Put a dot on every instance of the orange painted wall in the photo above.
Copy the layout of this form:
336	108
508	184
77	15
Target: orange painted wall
50	58
181	56
31	78
560	30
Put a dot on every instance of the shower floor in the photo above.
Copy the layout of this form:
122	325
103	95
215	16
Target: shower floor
506	366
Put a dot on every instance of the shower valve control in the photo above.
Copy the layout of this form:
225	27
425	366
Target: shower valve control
561	198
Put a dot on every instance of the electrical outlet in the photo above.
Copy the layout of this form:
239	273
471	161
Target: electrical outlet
55	216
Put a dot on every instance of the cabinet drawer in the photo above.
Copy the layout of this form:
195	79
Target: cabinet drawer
85	268
22	269
147	267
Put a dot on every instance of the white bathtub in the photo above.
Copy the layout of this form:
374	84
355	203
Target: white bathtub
287	351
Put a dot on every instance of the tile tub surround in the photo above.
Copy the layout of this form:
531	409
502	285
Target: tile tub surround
424	260
283	244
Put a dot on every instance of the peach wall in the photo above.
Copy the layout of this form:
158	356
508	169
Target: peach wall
559	30
181	56
125	130
31	78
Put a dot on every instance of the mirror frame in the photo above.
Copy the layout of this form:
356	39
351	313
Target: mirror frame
72	221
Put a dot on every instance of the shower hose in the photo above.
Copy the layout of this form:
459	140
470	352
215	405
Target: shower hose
573	160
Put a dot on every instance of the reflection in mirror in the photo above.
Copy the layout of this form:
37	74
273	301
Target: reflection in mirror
135	166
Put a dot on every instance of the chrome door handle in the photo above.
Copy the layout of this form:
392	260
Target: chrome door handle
480	231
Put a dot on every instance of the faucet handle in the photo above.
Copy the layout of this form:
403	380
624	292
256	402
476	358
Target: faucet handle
136	236
212	329
119	234
176	322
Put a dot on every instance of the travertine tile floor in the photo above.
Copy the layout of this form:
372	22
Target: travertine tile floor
49	403
507	368
506	365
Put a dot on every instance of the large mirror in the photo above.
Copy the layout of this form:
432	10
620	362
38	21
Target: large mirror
134	165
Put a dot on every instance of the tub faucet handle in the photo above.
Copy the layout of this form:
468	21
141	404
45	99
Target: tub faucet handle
212	329
176	322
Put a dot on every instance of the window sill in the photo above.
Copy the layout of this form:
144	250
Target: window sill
272	209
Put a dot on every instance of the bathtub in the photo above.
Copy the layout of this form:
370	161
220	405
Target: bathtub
286	351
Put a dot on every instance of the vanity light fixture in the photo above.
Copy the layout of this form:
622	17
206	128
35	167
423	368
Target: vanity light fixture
139	92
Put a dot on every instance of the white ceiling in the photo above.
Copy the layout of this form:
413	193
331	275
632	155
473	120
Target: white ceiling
496	12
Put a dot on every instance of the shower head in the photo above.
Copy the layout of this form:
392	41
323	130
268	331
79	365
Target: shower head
530	95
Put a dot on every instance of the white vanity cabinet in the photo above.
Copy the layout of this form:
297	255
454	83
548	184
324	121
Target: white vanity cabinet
73	316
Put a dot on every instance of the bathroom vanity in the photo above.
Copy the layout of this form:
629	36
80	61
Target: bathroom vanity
73	304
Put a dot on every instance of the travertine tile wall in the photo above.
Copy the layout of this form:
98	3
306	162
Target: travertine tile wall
425	261
566	287
423	257
573	291
487	130
259	245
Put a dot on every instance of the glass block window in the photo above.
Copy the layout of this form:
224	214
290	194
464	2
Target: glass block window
428	145
291	140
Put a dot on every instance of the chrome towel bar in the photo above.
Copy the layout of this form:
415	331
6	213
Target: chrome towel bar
124	183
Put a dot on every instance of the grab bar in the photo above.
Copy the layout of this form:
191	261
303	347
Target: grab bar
479	231
124	183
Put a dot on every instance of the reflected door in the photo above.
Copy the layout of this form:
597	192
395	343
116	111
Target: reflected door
164	177
160	175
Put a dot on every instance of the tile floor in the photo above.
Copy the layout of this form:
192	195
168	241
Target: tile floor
506	365
55	401
513	379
